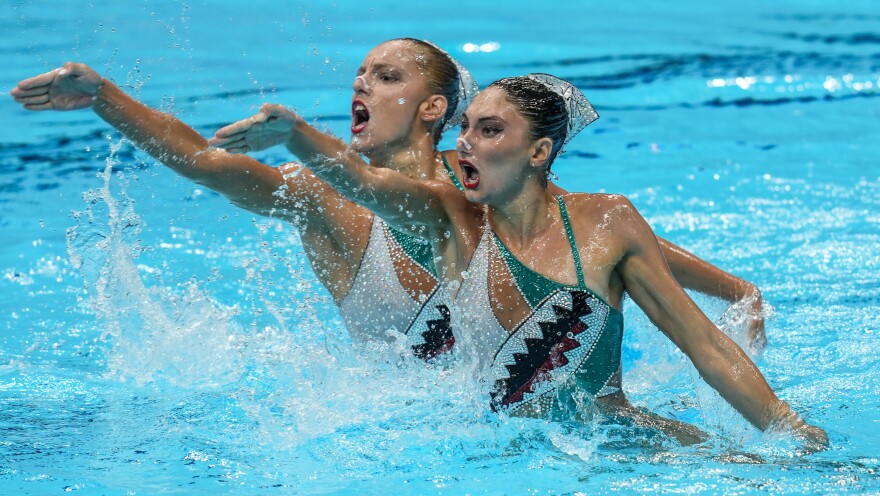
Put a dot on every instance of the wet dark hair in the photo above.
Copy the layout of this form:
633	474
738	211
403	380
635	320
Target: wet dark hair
542	107
442	76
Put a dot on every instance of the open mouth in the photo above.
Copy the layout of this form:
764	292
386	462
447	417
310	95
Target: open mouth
359	116
470	176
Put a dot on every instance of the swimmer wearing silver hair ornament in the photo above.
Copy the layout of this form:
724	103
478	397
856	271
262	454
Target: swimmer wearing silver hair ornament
539	278
394	124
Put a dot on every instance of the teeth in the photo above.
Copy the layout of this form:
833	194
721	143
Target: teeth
359	107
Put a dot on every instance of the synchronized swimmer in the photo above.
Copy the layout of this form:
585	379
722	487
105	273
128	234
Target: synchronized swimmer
406	94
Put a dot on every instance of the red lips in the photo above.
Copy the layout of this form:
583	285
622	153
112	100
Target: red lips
470	175
359	116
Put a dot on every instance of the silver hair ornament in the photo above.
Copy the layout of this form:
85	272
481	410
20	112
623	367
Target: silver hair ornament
580	111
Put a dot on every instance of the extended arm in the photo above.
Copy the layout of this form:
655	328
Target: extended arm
692	272
398	199
721	363
246	182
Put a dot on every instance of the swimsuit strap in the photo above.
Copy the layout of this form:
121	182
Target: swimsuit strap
570	233
451	173
534	286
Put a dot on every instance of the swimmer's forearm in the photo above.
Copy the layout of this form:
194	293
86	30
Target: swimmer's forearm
726	367
694	273
305	140
720	362
718	359
246	182
161	135
342	169
391	195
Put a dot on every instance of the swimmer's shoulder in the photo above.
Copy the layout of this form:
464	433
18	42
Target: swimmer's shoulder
597	202
613	212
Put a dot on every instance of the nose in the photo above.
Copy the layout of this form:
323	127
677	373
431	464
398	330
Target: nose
360	84
461	144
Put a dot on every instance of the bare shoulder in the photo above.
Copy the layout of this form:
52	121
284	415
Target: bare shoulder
611	206
611	214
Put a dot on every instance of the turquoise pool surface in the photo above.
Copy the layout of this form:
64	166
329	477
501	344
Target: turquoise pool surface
154	339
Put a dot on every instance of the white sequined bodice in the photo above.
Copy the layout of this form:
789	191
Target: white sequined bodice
377	302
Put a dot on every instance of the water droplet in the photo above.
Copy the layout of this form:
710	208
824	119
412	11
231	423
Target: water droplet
401	101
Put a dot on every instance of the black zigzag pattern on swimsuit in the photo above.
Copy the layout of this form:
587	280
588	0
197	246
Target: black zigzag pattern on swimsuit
546	348
438	337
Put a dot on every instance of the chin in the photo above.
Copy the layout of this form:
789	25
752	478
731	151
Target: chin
474	196
360	143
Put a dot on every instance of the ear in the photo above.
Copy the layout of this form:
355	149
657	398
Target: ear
540	152
433	108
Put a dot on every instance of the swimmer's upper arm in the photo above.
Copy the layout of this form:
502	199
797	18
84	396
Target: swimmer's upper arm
720	362
648	280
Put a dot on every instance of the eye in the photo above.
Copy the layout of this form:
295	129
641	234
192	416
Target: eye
491	130
387	77
464	128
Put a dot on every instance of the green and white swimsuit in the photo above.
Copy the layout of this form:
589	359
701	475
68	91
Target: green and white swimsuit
567	347
378	303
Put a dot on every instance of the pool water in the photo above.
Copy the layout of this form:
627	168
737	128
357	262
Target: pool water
155	339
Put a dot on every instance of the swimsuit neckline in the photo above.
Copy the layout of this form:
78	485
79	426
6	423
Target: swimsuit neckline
536	287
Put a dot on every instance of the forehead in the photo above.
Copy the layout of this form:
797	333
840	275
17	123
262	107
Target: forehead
398	52
492	101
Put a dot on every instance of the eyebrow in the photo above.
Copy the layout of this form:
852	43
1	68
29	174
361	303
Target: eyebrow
377	67
482	120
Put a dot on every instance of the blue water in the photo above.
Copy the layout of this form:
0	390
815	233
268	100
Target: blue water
156	339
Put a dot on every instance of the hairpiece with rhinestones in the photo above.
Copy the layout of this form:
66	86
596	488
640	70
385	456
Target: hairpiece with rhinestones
467	90
580	111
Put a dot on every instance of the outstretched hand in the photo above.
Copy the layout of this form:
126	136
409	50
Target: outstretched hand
71	87
270	126
744	321
781	416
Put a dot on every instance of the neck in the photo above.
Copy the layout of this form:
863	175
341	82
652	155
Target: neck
523	218
415	159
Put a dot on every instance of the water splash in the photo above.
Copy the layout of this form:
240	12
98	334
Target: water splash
184	338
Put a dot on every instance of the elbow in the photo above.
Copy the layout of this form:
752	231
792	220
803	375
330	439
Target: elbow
739	290
202	166
714	367
721	362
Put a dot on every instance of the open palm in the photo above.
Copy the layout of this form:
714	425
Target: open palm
271	126
70	87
